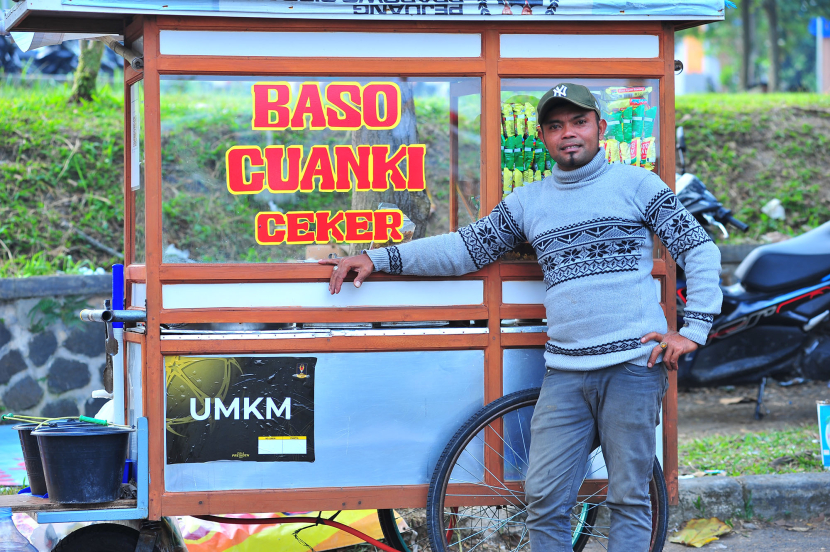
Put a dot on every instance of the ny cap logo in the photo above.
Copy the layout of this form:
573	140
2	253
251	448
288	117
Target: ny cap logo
560	91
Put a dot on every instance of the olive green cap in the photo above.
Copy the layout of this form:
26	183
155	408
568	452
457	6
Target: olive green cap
566	92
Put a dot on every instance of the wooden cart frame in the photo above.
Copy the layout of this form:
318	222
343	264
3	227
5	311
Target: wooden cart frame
155	274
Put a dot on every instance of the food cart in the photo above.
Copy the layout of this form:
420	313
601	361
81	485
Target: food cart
263	136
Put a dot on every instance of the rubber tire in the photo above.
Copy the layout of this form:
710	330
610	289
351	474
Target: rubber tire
100	537
492	411
391	534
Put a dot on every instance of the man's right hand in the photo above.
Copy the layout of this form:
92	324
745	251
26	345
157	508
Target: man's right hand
361	264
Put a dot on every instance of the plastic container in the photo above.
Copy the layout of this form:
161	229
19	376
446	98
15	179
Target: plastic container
83	463
10	538
31	457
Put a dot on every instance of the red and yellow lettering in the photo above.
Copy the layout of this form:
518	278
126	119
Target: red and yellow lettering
357	226
387	225
319	165
263	222
310	103
235	170
415	161
327	229
277	182
298	224
348	162
350	119
383	165
371	105
264	106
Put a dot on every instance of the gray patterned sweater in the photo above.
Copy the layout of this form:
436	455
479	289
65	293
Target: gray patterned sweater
592	232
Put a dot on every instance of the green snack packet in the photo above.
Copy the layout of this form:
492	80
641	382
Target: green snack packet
507	182
648	122
503	155
628	130
611	124
616	126
539	153
527	175
521	119
529	150
637	121
548	160
518	153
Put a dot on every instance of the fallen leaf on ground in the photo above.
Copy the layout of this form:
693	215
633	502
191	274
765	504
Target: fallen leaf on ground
700	531
799	529
736	400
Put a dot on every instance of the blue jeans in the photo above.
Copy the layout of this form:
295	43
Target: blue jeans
618	406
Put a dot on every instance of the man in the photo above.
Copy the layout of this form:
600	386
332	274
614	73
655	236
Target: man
591	225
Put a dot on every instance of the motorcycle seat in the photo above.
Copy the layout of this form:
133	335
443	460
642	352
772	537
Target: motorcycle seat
778	266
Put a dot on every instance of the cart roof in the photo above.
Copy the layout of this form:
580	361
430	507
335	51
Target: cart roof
107	16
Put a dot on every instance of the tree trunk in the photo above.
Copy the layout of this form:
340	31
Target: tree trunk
748	30
774	53
415	205
89	62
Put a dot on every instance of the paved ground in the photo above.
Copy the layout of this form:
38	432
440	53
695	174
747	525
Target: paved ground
700	413
783	536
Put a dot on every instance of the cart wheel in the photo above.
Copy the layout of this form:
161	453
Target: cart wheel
481	512
101	537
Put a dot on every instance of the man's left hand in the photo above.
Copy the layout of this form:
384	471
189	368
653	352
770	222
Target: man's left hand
676	346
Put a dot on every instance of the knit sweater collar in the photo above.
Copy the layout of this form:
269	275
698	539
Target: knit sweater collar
587	174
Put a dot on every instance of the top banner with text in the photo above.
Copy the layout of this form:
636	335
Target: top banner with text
425	9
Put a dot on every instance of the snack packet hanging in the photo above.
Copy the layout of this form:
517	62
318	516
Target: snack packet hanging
518	179
548	160
628	130
648	151
537	176
539	153
521	119
648	122
530	112
621	92
527	176
619	105
635	151
637	120
612	150
529	150
602	145
507	181
615	127
546	174
509	159
509	120
503	154
625	153
518	152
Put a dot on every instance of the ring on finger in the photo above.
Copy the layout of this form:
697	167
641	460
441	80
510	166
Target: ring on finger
336	267
663	345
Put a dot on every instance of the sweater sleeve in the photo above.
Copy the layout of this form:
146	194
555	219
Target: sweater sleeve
693	250
457	253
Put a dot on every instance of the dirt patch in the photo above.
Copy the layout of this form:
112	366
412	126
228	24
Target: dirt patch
700	412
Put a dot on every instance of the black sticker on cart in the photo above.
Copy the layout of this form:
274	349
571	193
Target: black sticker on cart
256	409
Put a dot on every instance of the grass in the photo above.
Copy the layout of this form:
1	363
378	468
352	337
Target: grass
793	450
9	490
751	148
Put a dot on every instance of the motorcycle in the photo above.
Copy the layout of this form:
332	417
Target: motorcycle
775	321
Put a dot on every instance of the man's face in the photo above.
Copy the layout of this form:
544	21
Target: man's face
572	135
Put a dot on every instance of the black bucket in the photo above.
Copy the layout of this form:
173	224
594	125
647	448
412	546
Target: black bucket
83	462
31	457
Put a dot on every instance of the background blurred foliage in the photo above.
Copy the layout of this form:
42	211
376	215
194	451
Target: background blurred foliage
798	46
